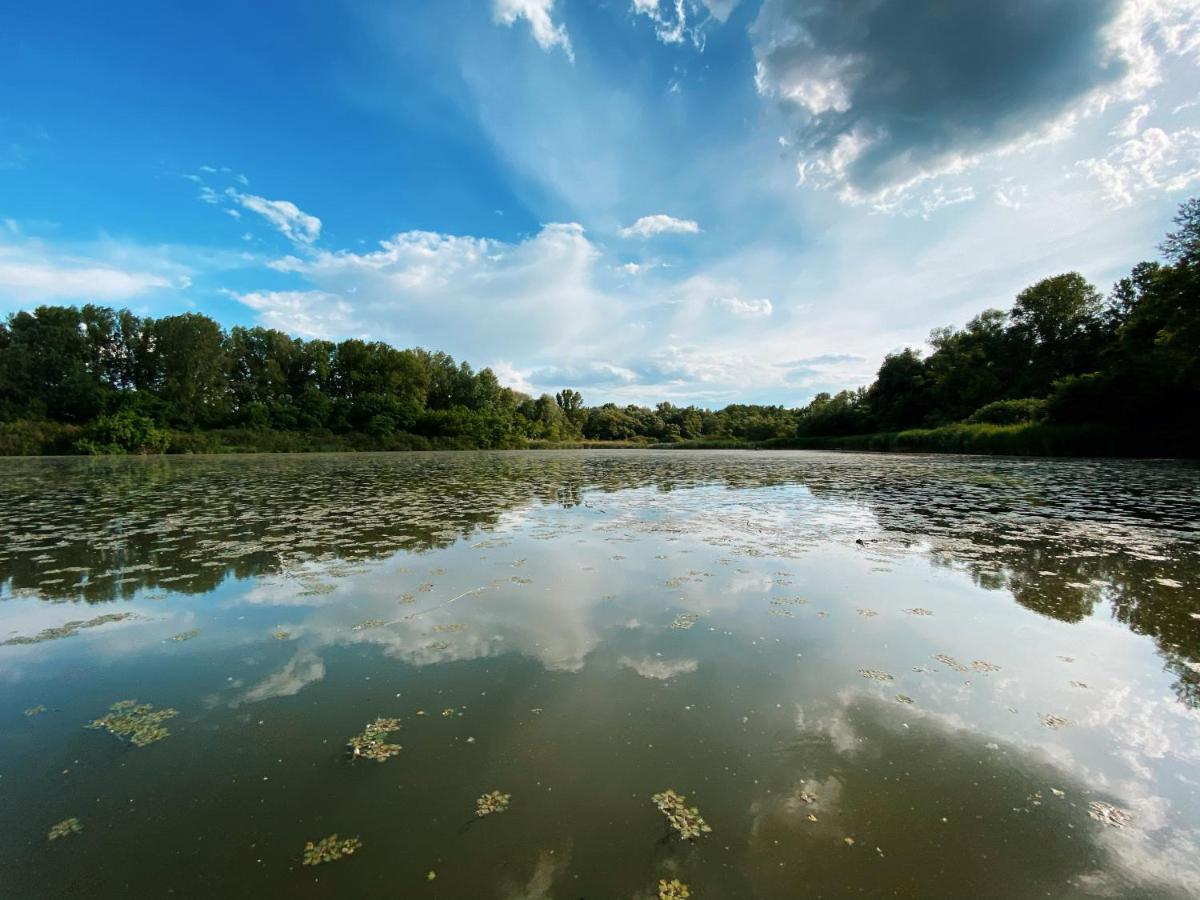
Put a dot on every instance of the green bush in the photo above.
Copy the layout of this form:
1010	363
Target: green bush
1010	412
122	432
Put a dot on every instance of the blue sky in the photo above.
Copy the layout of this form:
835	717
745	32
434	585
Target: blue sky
704	201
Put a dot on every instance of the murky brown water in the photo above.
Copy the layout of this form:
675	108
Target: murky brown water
871	675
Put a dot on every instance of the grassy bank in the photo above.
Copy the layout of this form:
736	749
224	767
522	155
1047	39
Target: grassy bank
38	438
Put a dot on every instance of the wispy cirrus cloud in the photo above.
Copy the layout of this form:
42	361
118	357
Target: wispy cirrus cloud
539	15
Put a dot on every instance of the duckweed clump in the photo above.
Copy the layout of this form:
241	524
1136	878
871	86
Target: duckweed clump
493	802
371	743
673	890
685	621
141	724
329	849
875	674
684	819
65	828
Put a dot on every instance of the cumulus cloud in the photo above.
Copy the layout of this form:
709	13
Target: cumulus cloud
1153	161
303	669
649	226
287	218
746	309
659	669
538	14
310	314
887	94
427	287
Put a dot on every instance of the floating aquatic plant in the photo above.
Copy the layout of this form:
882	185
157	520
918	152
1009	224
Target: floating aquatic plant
34	711
141	724
685	621
329	849
439	645
493	802
281	635
68	629
370	623
371	743
185	635
1052	721
875	674
672	890
904	698
919	611
684	819
1107	814
449	711
65	828
867	613
452	627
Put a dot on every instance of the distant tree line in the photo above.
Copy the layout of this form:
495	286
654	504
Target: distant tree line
94	379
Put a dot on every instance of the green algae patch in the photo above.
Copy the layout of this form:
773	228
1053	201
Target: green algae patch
493	802
140	724
673	890
684	819
67	630
65	828
329	849
371	742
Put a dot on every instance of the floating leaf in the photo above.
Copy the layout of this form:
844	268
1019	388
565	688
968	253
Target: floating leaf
142	724
494	802
371	743
65	828
329	849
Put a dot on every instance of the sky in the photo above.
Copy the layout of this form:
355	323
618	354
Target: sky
700	201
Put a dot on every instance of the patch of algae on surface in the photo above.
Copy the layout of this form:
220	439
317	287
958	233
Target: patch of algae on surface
684	819
141	724
371	742
673	890
68	629
65	828
329	849
493	802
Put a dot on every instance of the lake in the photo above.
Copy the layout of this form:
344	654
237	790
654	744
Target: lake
870	675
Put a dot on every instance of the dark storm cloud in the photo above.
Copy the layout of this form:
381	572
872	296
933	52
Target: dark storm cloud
928	79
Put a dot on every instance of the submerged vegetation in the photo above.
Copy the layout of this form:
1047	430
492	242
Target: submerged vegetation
1065	371
140	724
329	849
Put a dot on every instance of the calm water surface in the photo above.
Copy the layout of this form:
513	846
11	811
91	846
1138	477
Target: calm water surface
903	676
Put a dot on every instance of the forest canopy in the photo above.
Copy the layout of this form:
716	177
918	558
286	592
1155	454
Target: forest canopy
92	379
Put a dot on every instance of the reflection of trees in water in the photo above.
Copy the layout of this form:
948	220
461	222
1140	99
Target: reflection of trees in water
1059	536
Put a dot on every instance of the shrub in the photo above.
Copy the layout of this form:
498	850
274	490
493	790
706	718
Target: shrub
123	432
1010	412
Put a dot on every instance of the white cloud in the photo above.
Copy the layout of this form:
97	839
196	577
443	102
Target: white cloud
659	669
1153	161
467	295
309	314
303	669
538	14
288	219
29	273
746	309
648	226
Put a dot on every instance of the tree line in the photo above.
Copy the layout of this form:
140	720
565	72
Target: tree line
95	379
